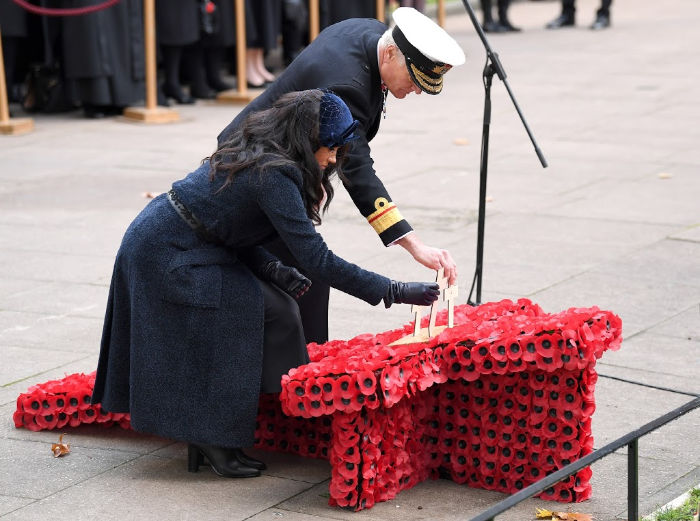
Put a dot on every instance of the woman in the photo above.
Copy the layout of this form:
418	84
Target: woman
200	319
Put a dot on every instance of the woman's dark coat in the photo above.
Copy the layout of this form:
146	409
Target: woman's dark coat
182	341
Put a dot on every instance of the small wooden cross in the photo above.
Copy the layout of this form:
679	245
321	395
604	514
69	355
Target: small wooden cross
418	312
442	283
449	295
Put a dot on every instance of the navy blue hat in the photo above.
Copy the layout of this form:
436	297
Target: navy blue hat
336	124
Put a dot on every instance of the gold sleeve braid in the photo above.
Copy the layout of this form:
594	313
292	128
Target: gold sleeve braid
385	216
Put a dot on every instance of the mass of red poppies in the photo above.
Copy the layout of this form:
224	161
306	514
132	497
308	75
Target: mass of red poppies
499	401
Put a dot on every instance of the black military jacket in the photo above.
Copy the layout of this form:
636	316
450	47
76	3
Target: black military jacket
344	59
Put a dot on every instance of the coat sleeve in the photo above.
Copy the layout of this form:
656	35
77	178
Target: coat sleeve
361	181
279	197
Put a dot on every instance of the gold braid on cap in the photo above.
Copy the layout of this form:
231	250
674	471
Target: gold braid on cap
424	81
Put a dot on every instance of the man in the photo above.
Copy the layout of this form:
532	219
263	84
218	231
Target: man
361	61
567	17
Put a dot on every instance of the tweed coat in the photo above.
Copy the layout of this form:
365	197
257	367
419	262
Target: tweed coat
344	59
182	341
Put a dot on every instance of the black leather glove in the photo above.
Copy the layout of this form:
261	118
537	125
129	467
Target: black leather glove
288	279
420	293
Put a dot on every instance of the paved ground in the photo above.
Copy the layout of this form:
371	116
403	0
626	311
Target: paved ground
614	222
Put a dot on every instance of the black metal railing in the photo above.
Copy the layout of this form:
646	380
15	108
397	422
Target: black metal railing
629	439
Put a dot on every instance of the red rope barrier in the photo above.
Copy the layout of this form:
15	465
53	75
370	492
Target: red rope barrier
71	11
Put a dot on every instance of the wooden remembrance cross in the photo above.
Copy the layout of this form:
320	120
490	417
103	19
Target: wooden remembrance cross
449	295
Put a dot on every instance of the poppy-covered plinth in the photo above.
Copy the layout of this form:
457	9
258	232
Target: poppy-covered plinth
497	402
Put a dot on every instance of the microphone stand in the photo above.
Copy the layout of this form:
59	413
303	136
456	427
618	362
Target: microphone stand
493	66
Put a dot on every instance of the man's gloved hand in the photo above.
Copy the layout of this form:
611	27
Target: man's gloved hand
420	293
288	279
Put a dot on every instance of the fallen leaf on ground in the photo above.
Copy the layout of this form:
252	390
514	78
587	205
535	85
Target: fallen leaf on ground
564	516
461	141
150	195
665	175
60	448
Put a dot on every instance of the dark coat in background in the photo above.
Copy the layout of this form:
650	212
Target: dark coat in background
266	18
333	11
182	340
13	20
177	22
103	53
225	36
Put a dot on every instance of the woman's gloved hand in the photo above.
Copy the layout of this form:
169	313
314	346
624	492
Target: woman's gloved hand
287	278
420	293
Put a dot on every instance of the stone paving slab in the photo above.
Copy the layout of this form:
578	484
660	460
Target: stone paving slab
50	331
28	468
158	488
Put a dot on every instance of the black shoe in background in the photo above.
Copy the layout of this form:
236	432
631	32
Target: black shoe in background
177	94
493	27
509	26
202	92
602	21
563	20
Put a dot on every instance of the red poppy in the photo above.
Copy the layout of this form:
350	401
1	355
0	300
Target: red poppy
345	386
367	382
30	402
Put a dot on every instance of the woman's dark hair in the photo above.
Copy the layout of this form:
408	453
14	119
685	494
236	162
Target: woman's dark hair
284	135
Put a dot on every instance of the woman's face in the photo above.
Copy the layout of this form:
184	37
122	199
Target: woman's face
326	156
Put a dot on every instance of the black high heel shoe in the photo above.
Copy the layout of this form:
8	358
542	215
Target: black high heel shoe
220	460
247	460
177	94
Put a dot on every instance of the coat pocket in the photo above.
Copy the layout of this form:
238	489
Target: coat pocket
194	277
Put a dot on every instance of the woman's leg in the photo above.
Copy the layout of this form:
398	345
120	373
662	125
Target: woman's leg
172	55
252	74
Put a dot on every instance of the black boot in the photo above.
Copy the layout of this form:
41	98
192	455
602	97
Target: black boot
193	60
172	56
212	65
247	460
220	460
563	20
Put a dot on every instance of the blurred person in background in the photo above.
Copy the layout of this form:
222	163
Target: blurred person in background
567	18
13	26
502	25
177	26
263	26
103	56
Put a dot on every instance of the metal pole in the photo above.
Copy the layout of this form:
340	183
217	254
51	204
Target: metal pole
633	480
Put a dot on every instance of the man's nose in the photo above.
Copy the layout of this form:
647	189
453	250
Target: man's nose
331	158
415	88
